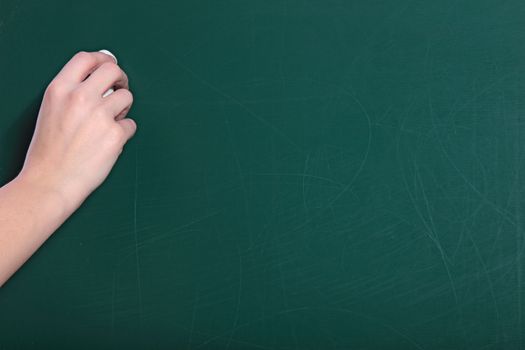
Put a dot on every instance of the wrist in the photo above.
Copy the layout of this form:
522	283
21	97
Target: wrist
49	193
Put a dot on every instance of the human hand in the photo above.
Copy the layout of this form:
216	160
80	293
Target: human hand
79	133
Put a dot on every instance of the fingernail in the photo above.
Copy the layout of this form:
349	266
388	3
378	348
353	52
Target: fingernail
107	52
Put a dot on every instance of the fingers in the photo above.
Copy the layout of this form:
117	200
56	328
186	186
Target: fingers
118	103
128	126
97	72
107	75
82	65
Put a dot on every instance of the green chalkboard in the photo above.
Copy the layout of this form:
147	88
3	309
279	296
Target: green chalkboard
307	174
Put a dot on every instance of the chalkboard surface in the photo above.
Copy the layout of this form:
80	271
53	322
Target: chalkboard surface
307	174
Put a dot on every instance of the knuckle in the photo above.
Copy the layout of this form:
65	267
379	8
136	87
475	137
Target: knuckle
55	89
112	129
116	135
79	97
84	57
100	113
111	67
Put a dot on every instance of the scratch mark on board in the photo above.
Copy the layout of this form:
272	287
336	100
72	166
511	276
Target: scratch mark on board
238	304
240	104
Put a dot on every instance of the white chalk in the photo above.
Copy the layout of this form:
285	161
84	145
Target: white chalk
107	52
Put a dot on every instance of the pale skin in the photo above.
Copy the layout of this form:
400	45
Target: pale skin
78	137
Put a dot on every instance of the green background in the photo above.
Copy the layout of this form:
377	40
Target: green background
307	174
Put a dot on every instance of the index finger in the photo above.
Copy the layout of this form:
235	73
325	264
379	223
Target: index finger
81	65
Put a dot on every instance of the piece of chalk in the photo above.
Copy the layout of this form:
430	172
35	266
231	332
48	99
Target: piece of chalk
109	92
107	52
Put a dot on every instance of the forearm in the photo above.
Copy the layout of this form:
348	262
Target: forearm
80	132
29	214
